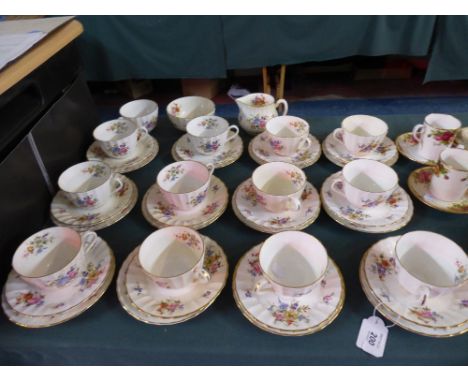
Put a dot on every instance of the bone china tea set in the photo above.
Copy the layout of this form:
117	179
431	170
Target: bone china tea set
288	284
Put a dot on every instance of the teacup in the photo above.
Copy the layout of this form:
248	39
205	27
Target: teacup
279	186
209	134
429	264
436	134
142	112
461	139
286	135
173	257
366	183
292	262
54	257
89	184
449	181
182	110
361	133
185	184
118	138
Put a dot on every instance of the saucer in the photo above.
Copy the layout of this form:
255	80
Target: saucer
395	214
64	213
254	215
337	152
418	183
408	147
287	316
444	315
147	302
146	150
302	159
45	303
160	214
181	150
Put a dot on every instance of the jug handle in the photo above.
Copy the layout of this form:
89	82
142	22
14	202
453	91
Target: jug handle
284	103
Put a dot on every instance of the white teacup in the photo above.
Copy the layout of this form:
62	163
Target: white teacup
209	134
449	181
118	138
361	133
54	257
185	184
292	262
366	183
142	112
286	135
436	134
89	184
429	264
182	110
173	257
279	186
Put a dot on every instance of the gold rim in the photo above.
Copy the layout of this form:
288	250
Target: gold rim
375	296
158	224
412	187
217	165
406	154
89	302
300	164
263	229
114	218
295	332
191	314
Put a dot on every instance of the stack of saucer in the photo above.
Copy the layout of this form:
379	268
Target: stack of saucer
288	285
122	145
276	198
360	136
366	197
92	197
57	275
419	282
286	139
175	275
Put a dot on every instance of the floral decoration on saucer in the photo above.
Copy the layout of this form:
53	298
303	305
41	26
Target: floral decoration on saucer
159	213
116	208
54	313
418	183
146	150
254	215
304	158
147	302
379	277
337	153
394	214
408	147
232	151
283	315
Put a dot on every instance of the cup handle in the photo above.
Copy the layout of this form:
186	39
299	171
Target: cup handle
338	134
284	103
119	185
334	186
424	293
236	132
204	276
417	131
89	240
144	132
295	203
260	284
305	144
211	168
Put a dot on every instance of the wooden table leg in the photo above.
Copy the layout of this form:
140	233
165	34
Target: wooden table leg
266	80
280	83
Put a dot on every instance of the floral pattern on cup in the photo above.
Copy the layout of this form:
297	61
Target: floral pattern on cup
442	137
174	173
383	266
295	176
276	145
197	199
189	239
30	299
425	314
164	209
64	279
150	124
169	306
38	244
95	170
212	261
118	128
251	195
254	265
119	150
90	276
209	123
86	201
462	272
299	126
289	314
210	147
175	109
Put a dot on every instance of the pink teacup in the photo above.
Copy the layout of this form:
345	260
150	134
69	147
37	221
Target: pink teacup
185	184
279	186
366	183
173	257
286	135
292	262
54	257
